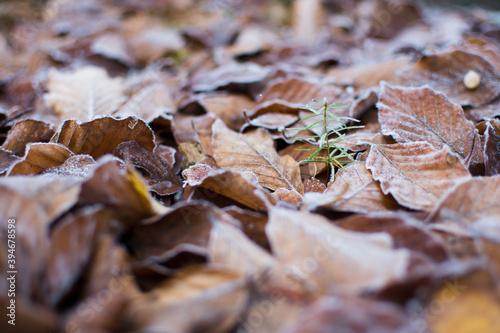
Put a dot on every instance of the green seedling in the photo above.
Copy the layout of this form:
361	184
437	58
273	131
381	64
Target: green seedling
329	130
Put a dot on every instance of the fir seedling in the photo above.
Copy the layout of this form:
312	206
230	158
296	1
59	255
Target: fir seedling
330	127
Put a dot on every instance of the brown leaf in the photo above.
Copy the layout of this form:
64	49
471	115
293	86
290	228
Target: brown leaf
468	304
253	223
33	202
198	297
420	114
185	228
100	136
288	94
404	230
84	93
160	175
79	166
254	152
151	96
470	200
112	46
354	190
240	186
6	160
39	157
367	75
24	132
414	173
353	315
229	108
72	244
121	188
445	72
231	73
333	258
492	147
274	121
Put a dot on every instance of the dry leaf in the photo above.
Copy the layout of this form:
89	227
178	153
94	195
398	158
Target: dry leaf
420	114
100	136
492	148
121	188
24	132
185	228
347	314
414	173
231	73
197	298
406	232
159	173
445	72
254	152
367	75
332	258
465	305
112	46
84	93
151	96
78	166
470	200
354	190
6	160
229	108
39	157
239	186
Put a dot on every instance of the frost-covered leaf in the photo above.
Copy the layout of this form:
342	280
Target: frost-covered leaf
470	200
415	173
100	136
420	114
332	258
354	190
39	157
24	132
445	72
254	152
84	93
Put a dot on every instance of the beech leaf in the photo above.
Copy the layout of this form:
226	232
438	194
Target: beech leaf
415	173
84	93
254	152
420	114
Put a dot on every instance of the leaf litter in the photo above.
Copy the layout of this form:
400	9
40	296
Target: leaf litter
150	161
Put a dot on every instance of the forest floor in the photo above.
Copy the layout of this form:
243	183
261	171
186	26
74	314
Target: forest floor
151	178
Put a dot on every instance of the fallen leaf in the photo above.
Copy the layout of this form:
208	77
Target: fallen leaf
39	157
367	75
151	96
470	200
186	227
228	108
354	315
24	132
492	147
231	73
253	224
254	152
121	188
72	243
407	232
112	46
79	166
84	93
198	297
445	72
420	114
354	190
239	186
6	160
100	136
465	305
333	258
160	176
415	174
